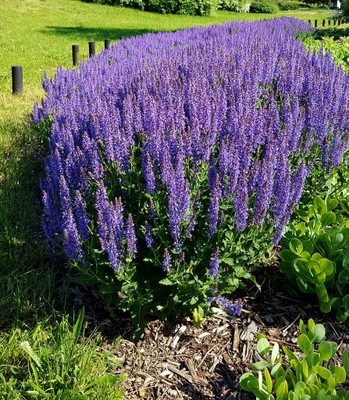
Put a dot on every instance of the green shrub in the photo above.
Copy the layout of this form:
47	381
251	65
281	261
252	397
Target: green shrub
290	5
186	7
235	5
259	7
345	8
313	375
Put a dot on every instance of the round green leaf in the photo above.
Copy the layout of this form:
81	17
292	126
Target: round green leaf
339	375
304	343
263	346
328	218
326	266
327	350
317	333
296	246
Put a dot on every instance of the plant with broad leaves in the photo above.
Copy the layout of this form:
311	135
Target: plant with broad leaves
308	376
315	254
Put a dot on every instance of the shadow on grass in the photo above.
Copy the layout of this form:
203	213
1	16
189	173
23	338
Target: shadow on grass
95	34
26	274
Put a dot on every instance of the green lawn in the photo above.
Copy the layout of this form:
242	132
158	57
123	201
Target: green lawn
38	34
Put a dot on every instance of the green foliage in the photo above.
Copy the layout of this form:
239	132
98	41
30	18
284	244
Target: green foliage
186	7
263	7
57	362
290	5
142	286
336	44
345	8
235	5
309	376
315	248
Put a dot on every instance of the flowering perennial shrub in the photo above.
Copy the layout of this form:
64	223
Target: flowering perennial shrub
175	157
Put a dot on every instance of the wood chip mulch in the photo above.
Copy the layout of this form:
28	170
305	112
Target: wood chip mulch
176	360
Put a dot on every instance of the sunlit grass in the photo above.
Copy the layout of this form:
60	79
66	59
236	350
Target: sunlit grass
38	34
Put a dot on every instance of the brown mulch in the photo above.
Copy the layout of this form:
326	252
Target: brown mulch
176	360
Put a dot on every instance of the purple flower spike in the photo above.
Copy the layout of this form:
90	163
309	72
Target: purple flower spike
167	260
230	307
214	264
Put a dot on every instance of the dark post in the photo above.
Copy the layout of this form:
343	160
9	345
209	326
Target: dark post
75	49
315	23
17	79
323	22
91	49
309	21
329	22
106	44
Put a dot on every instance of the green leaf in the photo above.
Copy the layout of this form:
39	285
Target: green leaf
316	333
289	353
296	246
325	306
167	282
339	375
78	325
268	380
326	266
346	262
343	277
320	205
287	255
260	365
304	343
281	389
275	353
345	360
248	382
277	371
331	203
322	294
263	346
308	246
328	218
327	350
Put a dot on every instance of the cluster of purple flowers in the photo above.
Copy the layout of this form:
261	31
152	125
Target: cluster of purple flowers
243	100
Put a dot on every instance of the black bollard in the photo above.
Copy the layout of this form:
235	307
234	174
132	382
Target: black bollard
75	50
106	44
315	23
17	79
323	23
91	49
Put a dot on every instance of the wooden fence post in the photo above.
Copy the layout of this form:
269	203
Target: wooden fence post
17	79
91	49
106	44
75	52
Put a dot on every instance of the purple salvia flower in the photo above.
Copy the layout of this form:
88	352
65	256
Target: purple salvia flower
214	205
167	260
214	264
148	234
131	237
232	308
82	220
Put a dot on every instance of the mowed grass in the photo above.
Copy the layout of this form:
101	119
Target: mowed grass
36	303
